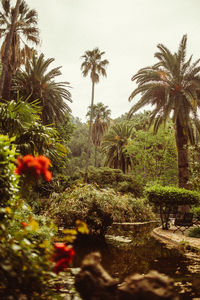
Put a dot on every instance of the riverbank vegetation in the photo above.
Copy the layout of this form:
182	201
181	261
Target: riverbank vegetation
58	172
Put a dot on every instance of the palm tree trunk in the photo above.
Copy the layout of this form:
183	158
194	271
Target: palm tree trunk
95	155
7	84
89	135
8	47
183	164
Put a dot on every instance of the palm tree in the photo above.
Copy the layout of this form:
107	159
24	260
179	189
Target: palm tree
17	25
101	115
114	144
172	86
94	65
36	82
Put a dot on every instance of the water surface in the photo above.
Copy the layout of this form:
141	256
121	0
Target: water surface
140	253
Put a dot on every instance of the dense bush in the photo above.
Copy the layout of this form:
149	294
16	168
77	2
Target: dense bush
116	179
8	181
196	211
25	242
167	197
97	207
194	232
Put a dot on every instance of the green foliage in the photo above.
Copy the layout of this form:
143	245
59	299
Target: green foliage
37	82
194	167
169	87
16	116
196	211
114	146
24	257
154	157
194	232
78	149
167	197
25	240
98	208
116	179
171	195
8	181
21	120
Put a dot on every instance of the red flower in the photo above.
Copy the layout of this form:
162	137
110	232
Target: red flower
31	166
63	256
24	224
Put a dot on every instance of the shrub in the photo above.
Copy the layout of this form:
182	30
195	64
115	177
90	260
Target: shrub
8	181
25	245
196	212
116	179
96	207
194	232
169	196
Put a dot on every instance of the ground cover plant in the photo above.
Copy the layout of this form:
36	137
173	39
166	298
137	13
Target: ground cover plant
97	207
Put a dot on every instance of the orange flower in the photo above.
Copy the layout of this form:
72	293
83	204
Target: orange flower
24	224
34	166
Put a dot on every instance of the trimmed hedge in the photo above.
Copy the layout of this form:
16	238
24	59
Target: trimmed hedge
168	197
171	195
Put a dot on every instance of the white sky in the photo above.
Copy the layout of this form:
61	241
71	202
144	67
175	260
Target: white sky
128	31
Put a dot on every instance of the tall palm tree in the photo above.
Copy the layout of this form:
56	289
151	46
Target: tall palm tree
94	65
36	82
172	87
114	144
101	115
17	27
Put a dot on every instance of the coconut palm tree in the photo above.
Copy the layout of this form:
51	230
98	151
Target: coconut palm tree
101	115
172	87
95	66
18	26
114	144
36	82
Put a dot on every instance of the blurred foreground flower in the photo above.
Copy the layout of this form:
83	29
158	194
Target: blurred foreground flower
62	256
31	166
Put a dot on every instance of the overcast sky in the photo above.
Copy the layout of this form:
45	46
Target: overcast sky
128	31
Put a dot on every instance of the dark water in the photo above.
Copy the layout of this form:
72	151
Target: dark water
142	254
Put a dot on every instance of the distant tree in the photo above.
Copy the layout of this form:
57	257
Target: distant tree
36	82
114	144
154	156
16	24
94	65
172	86
101	115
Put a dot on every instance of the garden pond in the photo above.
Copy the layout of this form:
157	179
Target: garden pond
126	251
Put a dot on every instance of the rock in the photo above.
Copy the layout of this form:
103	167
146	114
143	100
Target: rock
150	286
94	283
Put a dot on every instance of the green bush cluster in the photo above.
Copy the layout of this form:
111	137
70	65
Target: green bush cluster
116	179
196	211
194	232
99	208
25	242
8	181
